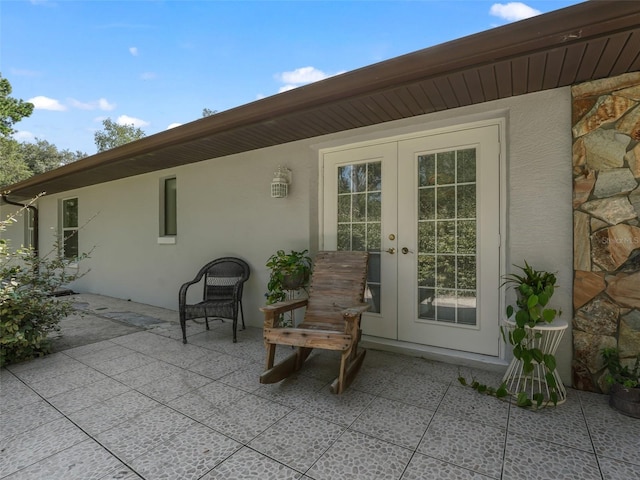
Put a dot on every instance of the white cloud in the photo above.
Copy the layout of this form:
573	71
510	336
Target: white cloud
23	136
513	11
286	88
104	104
133	51
100	104
301	76
148	76
173	125
24	72
45	103
127	120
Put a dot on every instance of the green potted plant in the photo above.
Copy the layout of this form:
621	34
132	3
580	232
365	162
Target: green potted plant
289	271
624	393
534	289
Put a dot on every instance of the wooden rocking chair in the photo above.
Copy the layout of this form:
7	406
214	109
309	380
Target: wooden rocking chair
331	321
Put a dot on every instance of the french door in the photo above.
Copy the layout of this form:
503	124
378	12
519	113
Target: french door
428	211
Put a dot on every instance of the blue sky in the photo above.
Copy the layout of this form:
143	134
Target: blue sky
155	63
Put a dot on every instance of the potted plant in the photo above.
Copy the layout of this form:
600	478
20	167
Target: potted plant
289	271
624	394
534	289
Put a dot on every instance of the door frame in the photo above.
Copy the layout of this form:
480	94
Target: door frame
501	123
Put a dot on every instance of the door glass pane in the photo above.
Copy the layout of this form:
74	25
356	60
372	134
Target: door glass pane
447	236
359	219
426	204
426	170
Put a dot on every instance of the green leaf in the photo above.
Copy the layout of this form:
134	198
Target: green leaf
509	311
523	400
539	398
517	352
554	398
549	315
532	301
502	391
551	381
518	335
522	318
536	353
543	298
463	381
550	362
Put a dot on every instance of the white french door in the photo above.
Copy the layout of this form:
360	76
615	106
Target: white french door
360	213
427	209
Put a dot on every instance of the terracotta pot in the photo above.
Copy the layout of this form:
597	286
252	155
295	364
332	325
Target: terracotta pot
625	400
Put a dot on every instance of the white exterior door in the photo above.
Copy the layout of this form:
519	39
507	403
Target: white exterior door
428	211
360	213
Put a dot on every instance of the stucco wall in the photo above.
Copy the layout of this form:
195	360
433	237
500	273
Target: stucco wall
15	233
224	208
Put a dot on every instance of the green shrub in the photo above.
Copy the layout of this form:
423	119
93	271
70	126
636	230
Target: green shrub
29	311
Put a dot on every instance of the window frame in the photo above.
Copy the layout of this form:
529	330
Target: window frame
168	209
69	231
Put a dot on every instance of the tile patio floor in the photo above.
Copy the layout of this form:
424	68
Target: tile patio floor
143	405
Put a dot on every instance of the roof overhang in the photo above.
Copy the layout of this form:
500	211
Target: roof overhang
588	41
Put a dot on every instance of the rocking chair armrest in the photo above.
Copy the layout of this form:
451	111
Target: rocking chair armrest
355	311
285	306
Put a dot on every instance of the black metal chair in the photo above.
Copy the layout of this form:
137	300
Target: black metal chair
222	294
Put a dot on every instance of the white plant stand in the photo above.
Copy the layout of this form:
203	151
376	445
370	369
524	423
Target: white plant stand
547	341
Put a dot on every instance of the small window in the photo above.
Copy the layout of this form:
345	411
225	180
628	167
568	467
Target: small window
70	228
29	228
169	210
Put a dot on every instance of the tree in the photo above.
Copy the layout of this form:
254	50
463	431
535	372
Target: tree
12	110
42	156
12	166
115	135
19	161
207	112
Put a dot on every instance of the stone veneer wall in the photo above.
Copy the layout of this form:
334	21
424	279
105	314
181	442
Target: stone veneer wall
606	226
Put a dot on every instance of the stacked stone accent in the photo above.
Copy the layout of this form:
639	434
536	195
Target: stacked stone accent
606	225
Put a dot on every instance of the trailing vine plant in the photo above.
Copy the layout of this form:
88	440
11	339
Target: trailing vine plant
533	289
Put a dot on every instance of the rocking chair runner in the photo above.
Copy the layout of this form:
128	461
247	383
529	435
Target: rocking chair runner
331	322
222	293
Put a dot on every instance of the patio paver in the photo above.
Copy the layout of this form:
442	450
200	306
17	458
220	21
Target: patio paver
143	405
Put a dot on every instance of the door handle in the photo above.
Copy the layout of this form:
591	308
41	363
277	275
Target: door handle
405	250
391	250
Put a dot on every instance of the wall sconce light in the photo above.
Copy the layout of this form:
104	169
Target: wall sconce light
280	182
